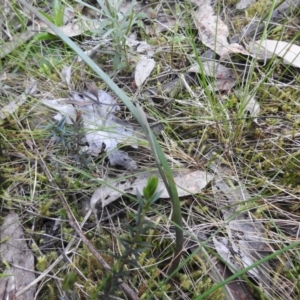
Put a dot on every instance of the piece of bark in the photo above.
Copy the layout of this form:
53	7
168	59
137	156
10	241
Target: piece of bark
16	253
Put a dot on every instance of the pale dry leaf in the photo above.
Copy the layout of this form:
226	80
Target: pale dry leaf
213	69
141	47
266	49
65	74
244	4
212	30
127	7
65	110
144	47
223	246
93	89
102	127
245	236
234	290
249	104
163	23
69	14
228	196
30	86
252	107
143	70
15	252
233	48
70	29
12	107
225	77
223	84
89	52
121	158
18	40
74	29
188	182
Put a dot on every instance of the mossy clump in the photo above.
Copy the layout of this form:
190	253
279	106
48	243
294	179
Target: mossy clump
259	8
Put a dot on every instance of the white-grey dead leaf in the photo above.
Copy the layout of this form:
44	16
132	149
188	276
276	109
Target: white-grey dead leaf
244	4
12	107
65	110
69	14
188	182
18	40
233	48
89	52
121	158
245	235
144	47
163	23
252	107
222	246
126	7
140	47
212	30
101	126
65	74
246	239
223	84
266	49
168	22
143	70
229	197
30	87
16	252
75	29
213	69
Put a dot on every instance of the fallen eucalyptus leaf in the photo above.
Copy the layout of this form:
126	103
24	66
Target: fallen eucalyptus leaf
18	40
212	30
245	236
74	29
223	84
14	105
14	250
143	70
213	69
65	74
252	106
266	49
222	246
244	4
140	47
99	122
188	182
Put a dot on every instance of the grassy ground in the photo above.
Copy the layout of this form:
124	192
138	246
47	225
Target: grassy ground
203	129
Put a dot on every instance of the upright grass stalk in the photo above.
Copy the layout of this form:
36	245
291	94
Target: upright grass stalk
159	156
